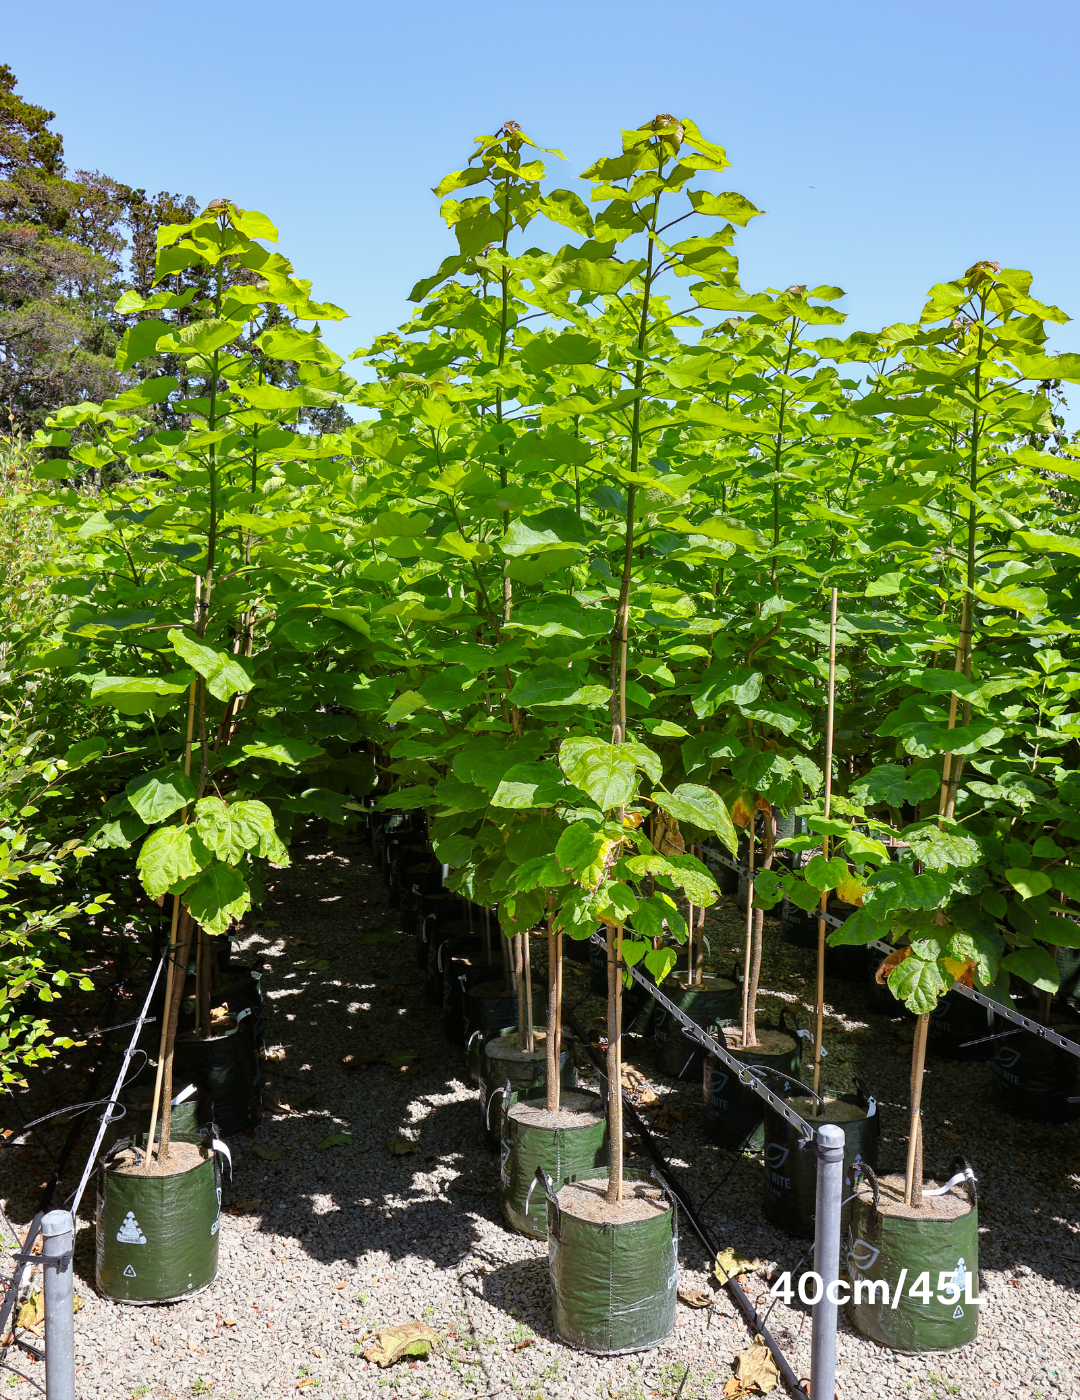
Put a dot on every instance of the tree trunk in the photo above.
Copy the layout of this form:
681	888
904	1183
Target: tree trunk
748	959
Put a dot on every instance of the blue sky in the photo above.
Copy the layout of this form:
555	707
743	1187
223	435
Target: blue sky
891	144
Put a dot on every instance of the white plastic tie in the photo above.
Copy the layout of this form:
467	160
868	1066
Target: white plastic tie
966	1175
185	1094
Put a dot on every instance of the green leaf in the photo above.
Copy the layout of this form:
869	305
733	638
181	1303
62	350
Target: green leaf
407	703
218	897
282	750
824	874
580	852
1029	883
139	342
334	1140
1034	965
224	673
150	391
607	772
733	207
168	856
134	695
650	763
918	983
158	795
699	806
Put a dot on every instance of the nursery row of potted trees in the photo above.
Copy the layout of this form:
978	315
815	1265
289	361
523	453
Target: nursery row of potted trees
624	557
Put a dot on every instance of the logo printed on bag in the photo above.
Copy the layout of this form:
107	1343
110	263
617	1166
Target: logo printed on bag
775	1155
862	1254
131	1231
129	1272
1007	1056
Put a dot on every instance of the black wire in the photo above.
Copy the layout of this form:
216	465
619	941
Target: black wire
738	1158
94	1103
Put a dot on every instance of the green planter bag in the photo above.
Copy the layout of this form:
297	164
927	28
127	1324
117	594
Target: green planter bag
933	1259
569	1146
489	1010
791	1170
613	1282
157	1236
714	1002
506	1075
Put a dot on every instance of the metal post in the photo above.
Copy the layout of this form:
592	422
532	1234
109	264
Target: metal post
58	1241
830	1196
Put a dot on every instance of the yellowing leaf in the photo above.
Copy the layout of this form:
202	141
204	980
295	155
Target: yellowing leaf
730	1263
392	1343
400	1147
756	1368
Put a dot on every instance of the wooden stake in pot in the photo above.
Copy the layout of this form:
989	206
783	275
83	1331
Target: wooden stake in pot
614	1063
554	1029
819	1000
913	1177
525	948
746	1028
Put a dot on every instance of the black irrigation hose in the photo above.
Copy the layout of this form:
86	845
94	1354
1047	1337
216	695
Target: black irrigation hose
742	1302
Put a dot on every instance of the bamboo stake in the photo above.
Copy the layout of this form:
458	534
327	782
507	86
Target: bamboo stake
614	1077
558	1019
689	943
170	976
172	1015
526	951
552	1103
819	1007
618	1044
519	989
913	1185
749	937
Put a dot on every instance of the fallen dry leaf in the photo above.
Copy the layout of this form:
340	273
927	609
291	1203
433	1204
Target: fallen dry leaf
392	1343
949	1135
229	1322
400	1147
276	1052
757	1369
245	1206
730	1263
667	1118
520	1346
339	1286
695	1297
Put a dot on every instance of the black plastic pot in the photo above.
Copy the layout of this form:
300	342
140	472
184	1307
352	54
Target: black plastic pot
715	1002
1068	961
890	1250
798	927
954	1022
441	945
1034	1079
464	965
791	1170
225	1066
734	1113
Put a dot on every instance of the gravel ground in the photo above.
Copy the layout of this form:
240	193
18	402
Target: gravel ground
325	1247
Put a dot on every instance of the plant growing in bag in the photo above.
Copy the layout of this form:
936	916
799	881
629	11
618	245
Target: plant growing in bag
190	630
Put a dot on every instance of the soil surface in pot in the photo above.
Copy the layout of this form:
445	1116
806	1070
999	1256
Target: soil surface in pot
587	1200
769	1042
951	1206
508	1049
575	1111
834	1111
183	1157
